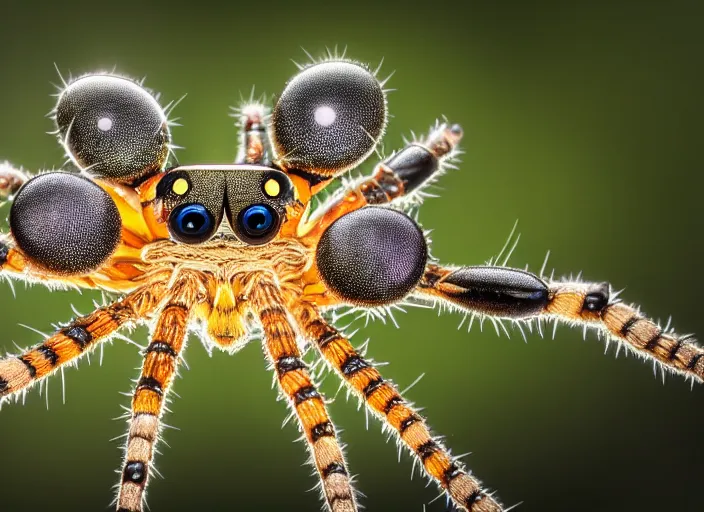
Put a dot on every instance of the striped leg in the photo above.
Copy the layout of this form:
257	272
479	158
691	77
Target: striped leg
296	384
158	371
384	400
509	293
585	302
79	337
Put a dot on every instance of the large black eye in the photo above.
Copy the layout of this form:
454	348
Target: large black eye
257	224
65	223
329	118
372	256
191	223
113	128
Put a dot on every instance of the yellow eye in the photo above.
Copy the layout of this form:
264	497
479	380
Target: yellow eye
272	187
180	186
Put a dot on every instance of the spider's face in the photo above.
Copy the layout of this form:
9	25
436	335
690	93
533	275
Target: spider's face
234	202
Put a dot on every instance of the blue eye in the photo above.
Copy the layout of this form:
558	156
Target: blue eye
257	222
191	223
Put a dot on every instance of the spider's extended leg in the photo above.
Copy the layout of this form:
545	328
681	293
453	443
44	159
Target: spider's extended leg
384	400
297	386
158	370
510	293
77	338
395	177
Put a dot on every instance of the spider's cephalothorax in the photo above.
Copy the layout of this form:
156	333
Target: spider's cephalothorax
236	247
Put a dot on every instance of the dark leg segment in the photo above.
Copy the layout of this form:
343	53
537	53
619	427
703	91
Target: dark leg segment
496	291
384	401
410	168
397	176
511	293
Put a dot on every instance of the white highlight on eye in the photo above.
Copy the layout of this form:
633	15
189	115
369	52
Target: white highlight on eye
105	123
325	115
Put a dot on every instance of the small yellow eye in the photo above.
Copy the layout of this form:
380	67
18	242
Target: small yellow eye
180	186
272	187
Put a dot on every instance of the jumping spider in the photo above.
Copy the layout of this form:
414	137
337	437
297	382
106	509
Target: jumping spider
237	251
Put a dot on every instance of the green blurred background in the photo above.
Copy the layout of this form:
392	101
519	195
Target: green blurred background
583	120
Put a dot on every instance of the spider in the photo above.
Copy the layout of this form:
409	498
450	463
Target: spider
238	252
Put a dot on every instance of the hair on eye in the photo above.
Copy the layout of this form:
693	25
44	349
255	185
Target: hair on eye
329	118
65	223
113	128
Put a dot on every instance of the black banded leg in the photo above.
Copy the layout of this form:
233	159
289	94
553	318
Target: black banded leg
510	293
385	402
161	360
303	397
76	339
494	291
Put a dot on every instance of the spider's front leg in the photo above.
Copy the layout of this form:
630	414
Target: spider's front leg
79	337
161	361
401	174
308	404
515	294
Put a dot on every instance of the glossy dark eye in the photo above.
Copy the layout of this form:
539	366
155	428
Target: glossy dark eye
113	128
65	223
257	224
329	118
191	223
372	256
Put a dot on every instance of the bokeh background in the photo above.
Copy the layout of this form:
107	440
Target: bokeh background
583	120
